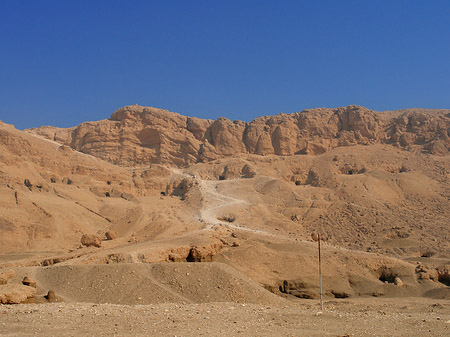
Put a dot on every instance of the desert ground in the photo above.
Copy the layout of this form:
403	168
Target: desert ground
355	317
153	223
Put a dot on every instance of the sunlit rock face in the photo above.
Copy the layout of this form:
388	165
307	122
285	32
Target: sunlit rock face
136	135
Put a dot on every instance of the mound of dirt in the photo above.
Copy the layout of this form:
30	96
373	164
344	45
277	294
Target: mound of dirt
140	283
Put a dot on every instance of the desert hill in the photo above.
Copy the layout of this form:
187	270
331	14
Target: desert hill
179	189
365	171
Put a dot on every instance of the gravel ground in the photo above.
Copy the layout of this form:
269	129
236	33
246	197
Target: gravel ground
355	317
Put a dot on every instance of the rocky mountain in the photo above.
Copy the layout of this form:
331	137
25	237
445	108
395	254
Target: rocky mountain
136	135
149	186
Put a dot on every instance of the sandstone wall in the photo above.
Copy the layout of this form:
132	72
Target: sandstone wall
136	135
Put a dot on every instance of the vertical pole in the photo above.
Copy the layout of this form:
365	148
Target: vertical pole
320	275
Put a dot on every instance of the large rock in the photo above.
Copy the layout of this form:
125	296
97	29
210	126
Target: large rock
89	240
15	293
6	275
28	281
51	296
111	234
248	171
203	253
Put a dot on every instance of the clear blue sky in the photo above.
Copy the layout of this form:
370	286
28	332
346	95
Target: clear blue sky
64	62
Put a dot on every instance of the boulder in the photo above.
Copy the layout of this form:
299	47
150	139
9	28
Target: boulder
248	171
27	281
111	234
398	281
51	296
91	240
15	293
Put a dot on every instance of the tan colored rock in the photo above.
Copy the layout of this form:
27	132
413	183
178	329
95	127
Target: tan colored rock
27	281
15	293
51	296
248	171
398	281
6	275
198	126
226	136
203	253
425	273
91	240
111	234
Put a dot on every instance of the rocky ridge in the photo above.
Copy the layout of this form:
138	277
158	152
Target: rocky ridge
136	135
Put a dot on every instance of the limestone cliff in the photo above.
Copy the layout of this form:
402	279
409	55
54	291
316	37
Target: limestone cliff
136	135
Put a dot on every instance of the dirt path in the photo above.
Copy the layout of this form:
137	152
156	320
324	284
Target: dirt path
214	202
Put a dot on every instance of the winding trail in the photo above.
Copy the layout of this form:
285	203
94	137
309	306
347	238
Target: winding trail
213	201
216	203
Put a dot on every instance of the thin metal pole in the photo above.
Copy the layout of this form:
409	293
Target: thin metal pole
320	276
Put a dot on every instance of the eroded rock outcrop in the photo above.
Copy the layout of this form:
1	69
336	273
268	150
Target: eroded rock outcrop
136	135
111	234
51	296
30	282
15	293
203	253
89	240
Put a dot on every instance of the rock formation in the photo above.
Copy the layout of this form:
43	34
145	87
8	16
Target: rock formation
28	281
51	296
111	234
91	240
15	293
136	135
373	182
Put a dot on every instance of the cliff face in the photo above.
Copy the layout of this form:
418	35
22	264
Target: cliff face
136	135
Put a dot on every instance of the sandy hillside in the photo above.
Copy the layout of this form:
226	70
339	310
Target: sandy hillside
202	212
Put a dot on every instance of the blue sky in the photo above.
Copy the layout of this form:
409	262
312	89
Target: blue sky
65	62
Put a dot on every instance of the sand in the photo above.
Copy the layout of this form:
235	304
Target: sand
355	317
